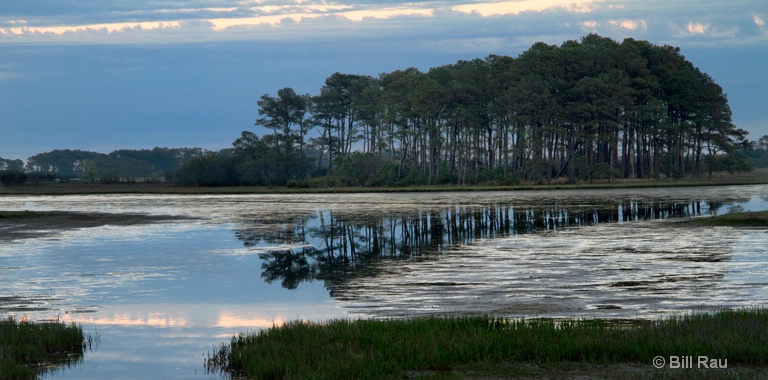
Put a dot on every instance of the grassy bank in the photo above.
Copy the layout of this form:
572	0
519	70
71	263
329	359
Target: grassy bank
28	350
480	347
54	188
737	219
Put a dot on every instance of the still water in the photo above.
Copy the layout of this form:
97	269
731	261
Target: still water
160	296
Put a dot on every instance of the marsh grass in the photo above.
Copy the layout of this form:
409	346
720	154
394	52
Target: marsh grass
737	219
28	349
758	176
344	349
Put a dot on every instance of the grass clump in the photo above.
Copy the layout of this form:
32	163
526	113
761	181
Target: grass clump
344	349
27	350
737	219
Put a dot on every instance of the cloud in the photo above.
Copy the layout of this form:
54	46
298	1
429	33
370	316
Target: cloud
221	24
110	28
516	7
195	20
629	24
125	319
385	13
169	21
697	28
276	15
194	68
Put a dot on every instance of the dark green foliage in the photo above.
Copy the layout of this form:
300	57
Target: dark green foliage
253	161
359	169
757	152
587	110
742	219
345	349
120	165
208	171
30	349
593	109
13	177
6	164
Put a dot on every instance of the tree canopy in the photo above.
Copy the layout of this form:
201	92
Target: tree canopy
585	110
117	165
588	109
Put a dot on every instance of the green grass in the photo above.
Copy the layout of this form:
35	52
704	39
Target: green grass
738	219
27	350
52	188
343	349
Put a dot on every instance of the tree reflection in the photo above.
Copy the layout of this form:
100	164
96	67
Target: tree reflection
333	246
287	266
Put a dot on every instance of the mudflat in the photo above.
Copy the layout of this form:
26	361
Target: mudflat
16	225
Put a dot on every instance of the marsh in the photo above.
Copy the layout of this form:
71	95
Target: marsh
161	293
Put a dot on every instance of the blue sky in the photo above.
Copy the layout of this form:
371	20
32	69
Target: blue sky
103	75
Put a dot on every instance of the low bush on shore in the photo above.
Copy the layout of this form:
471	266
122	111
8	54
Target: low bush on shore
27	350
344	349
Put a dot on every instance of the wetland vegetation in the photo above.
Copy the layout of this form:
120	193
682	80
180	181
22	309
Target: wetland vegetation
28	350
257	259
481	345
738	219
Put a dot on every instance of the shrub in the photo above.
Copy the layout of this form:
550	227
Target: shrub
13	177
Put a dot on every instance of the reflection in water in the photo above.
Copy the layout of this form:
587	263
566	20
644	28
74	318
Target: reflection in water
334	246
163	294
611	270
229	319
125	319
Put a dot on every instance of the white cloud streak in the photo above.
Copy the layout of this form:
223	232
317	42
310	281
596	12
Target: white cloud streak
259	13
110	28
205	20
520	6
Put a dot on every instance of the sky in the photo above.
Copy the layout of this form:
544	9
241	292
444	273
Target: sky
102	75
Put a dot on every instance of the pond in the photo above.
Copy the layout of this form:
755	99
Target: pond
161	295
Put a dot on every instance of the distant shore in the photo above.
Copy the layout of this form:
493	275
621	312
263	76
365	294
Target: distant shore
72	188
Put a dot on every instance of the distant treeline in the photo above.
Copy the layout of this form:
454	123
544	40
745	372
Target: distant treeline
585	110
589	109
158	164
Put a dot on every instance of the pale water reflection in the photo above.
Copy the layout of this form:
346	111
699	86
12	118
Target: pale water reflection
161	295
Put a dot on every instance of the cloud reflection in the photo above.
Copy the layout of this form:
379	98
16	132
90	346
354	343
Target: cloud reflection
127	319
229	319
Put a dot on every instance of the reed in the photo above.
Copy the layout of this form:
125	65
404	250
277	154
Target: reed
27	350
345	349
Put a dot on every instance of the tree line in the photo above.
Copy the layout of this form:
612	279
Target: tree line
592	109
157	164
584	110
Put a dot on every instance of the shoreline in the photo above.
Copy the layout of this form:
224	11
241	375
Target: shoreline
84	188
17	225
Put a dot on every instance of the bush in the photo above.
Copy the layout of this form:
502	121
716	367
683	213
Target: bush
13	177
297	184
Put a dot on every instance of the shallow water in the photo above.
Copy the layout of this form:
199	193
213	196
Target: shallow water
160	296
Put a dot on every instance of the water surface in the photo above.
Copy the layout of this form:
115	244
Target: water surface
161	295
